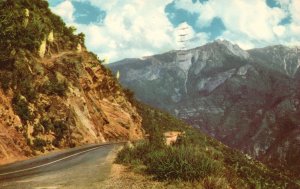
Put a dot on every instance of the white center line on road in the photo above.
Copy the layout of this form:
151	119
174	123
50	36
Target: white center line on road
28	169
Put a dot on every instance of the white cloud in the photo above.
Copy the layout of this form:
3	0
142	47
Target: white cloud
136	28
295	11
132	28
253	18
65	10
249	23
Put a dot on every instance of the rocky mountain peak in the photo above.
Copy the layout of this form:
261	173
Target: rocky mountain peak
233	48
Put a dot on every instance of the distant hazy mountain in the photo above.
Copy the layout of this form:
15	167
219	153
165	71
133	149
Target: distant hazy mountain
250	100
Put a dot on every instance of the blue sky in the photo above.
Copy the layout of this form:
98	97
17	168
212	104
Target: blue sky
117	29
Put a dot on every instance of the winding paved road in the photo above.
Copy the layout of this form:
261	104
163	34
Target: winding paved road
79	168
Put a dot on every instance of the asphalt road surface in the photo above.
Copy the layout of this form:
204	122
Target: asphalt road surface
80	168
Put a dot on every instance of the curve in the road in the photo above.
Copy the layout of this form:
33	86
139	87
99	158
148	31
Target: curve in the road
49	163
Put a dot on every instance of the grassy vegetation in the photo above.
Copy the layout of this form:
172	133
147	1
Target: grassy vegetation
195	157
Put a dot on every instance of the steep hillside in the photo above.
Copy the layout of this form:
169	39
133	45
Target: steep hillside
247	99
53	93
196	160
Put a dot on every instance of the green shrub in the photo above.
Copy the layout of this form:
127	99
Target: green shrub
186	163
39	144
55	87
47	124
20	106
59	88
171	163
5	78
156	136
132	154
61	131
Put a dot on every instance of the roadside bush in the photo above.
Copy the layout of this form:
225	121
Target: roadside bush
185	163
131	154
39	144
60	130
170	163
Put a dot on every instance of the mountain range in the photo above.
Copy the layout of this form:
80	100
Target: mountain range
248	99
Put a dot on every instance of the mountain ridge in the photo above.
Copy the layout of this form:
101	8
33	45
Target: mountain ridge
240	98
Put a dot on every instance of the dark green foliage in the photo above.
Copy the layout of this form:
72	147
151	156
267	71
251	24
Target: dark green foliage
59	88
48	125
20	106
161	120
39	144
61	131
156	137
129	94
23	79
55	87
139	152
28	90
5	80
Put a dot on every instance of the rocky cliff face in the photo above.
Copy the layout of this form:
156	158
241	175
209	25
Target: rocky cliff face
247	99
61	99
